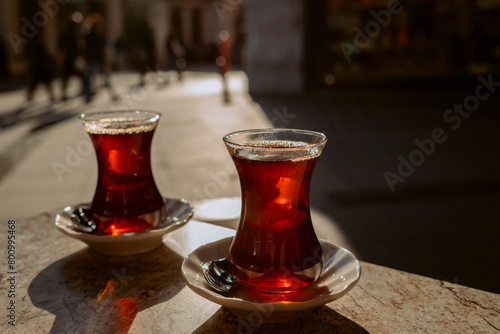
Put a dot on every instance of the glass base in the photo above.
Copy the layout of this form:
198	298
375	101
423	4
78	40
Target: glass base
279	281
127	225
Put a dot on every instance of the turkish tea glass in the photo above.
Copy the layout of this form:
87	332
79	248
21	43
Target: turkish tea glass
275	249
126	198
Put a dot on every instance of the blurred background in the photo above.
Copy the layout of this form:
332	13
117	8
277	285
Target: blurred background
310	44
406	91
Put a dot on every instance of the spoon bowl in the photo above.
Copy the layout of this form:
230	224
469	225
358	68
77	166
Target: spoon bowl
82	220
219	276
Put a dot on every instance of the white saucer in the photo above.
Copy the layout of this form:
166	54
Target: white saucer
177	212
341	272
223	211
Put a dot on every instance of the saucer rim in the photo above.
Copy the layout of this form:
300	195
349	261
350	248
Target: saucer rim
237	303
86	237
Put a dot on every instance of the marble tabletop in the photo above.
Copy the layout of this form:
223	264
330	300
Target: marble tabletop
62	286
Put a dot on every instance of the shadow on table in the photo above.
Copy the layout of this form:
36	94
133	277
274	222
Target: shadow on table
41	117
93	293
320	320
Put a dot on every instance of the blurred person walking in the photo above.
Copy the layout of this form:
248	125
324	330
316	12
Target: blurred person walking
147	60
140	42
224	62
176	54
4	60
70	46
95	57
42	65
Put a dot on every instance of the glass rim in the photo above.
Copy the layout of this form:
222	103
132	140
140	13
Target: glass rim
128	116
227	138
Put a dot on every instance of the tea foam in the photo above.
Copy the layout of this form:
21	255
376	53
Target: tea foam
117	126
277	150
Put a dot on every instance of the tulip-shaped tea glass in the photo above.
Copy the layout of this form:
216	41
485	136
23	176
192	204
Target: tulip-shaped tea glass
275	249
126	198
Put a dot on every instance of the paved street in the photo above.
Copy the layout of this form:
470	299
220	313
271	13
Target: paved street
442	221
47	160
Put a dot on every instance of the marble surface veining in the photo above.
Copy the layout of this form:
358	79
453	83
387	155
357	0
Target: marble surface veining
65	287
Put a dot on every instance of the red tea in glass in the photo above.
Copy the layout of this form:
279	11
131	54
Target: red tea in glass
275	249
126	199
